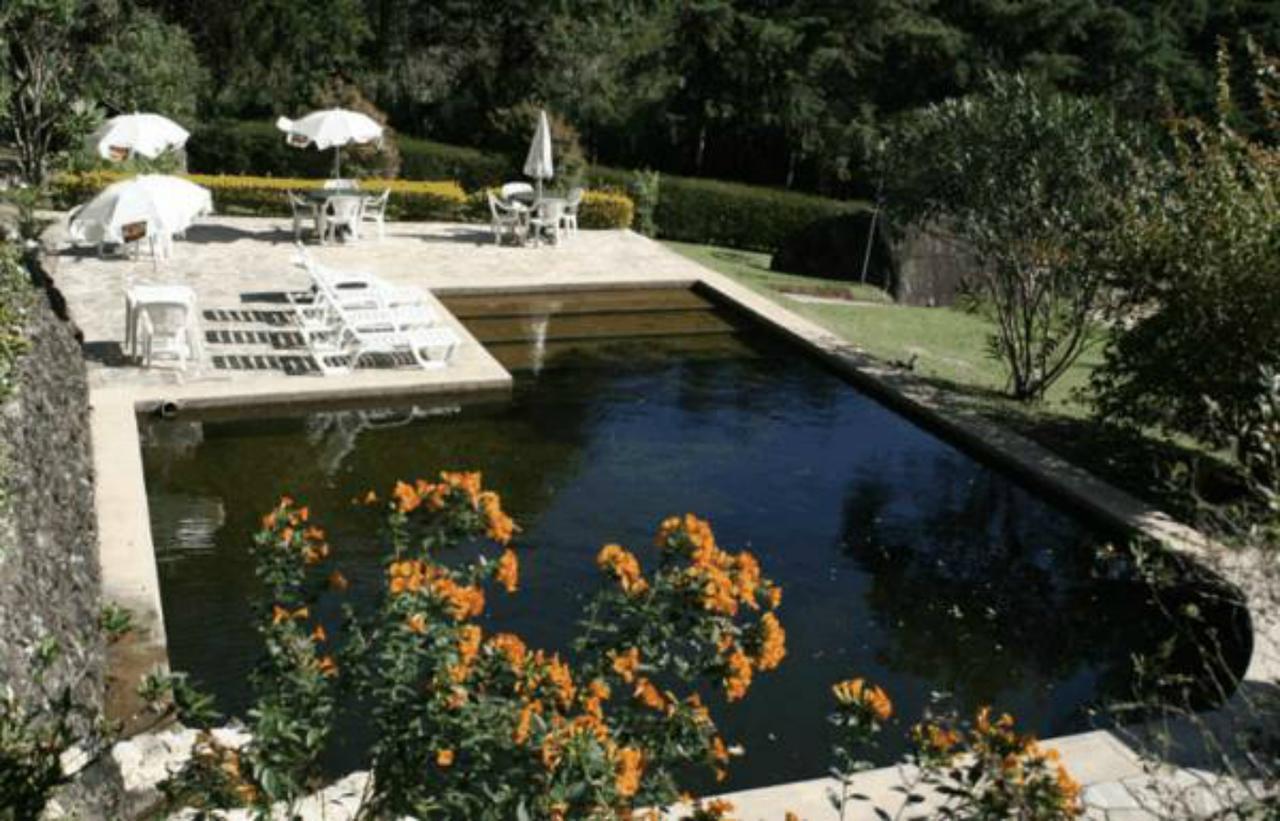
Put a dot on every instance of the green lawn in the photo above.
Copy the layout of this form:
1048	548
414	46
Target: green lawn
950	349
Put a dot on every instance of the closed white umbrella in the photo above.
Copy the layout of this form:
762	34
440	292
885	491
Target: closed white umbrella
168	205
538	164
331	128
147	134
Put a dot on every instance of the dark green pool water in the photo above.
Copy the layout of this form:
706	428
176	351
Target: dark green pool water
902	558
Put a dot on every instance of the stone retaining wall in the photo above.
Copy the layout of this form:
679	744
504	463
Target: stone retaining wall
49	579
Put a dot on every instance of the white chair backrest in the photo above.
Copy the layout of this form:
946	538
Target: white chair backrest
298	203
550	210
510	189
575	198
166	319
345	208
375	205
339	184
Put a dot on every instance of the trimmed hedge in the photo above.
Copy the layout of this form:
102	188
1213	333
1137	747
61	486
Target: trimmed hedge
410	199
739	216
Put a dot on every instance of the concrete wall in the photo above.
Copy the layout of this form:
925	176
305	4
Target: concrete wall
49	577
930	266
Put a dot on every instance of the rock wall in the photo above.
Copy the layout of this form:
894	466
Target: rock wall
49	580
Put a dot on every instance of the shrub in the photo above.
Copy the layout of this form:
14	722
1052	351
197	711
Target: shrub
1033	181
740	216
410	200
472	168
474	725
1200	268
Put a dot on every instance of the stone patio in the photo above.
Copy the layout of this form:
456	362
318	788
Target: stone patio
241	269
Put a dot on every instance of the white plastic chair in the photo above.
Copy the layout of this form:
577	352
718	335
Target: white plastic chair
505	217
167	330
547	220
340	185
569	219
304	210
375	211
342	212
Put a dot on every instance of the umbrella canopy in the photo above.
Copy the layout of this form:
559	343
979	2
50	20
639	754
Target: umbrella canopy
538	163
331	128
147	134
166	204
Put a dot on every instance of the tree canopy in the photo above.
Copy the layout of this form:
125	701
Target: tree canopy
781	92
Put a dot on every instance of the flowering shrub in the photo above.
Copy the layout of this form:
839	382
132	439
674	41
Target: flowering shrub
471	724
987	772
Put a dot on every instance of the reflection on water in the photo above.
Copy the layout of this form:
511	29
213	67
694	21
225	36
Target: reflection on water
902	559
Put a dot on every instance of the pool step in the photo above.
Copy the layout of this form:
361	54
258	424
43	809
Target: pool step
596	326
643	300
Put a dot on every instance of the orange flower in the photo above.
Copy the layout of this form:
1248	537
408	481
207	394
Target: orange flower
338	582
406	497
523	722
856	693
561	679
935	742
737	679
648	695
417	623
628	770
498	525
773	643
328	667
444	758
626	664
624	567
508	570
512	647
318	634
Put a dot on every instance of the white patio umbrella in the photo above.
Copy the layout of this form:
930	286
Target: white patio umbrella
168	205
331	128
538	164
147	134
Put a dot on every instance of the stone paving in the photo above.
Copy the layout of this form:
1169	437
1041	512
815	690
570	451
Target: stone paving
241	270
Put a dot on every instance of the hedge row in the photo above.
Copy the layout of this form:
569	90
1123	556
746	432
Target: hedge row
688	208
410	199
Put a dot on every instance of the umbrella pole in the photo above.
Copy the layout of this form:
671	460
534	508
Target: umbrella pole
337	161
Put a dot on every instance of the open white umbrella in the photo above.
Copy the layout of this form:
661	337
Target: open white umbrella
167	205
331	128
147	134
538	164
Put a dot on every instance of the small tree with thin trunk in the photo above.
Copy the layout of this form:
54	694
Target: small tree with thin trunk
40	54
1031	181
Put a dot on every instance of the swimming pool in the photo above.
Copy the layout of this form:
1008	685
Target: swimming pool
903	558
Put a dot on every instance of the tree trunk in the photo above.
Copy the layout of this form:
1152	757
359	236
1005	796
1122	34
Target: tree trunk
701	149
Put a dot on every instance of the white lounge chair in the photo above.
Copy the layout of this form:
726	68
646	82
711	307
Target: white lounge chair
358	337
505	218
375	211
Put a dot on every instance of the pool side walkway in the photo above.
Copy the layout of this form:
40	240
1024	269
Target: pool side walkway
240	266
